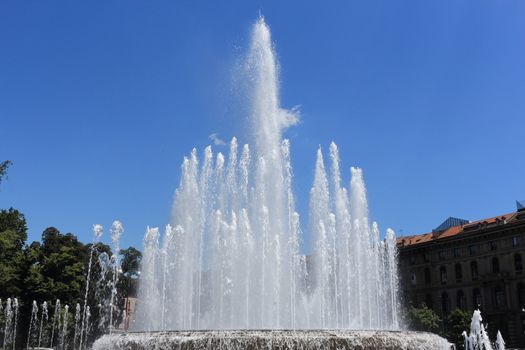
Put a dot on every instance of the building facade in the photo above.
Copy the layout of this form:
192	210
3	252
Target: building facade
470	265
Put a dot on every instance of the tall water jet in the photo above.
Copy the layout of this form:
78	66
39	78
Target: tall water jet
149	293
88	317
116	232
103	291
97	233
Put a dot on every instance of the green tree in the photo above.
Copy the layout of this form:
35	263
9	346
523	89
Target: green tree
457	321
130	266
131	259
423	319
15	221
3	169
56	268
63	264
13	234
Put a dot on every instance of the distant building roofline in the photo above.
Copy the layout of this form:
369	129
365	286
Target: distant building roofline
464	226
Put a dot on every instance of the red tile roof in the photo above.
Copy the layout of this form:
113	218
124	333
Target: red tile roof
451	231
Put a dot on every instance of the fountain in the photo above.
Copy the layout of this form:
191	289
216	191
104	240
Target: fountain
97	233
56	322
230	259
8	320
32	332
478	338
42	335
77	326
116	232
63	332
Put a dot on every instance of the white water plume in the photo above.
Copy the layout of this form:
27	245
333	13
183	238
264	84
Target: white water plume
56	322
42	335
63	332
116	232
230	257
32	333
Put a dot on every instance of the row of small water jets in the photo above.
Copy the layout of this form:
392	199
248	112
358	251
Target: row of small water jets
42	333
56	333
478	339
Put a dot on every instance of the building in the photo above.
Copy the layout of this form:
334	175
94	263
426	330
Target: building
129	313
470	265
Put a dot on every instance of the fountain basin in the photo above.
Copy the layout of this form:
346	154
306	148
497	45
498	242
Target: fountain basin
273	339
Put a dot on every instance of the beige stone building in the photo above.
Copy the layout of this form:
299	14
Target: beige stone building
470	265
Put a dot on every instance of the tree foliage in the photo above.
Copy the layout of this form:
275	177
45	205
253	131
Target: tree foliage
131	259
457	321
3	169
13	234
423	319
56	268
13	220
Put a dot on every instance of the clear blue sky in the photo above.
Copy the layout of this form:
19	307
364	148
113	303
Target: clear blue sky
100	100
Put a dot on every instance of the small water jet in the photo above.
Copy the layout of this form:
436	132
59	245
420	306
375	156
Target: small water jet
15	321
56	322
77	331
43	325
116	232
33	330
8	316
63	331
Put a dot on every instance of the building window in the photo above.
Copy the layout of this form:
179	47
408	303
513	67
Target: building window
495	265
427	276
426	257
516	241
518	265
473	249
461	300
412	260
445	303
499	296
413	278
457	252
493	245
442	255
459	272
520	289
443	274
476	298
474	270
